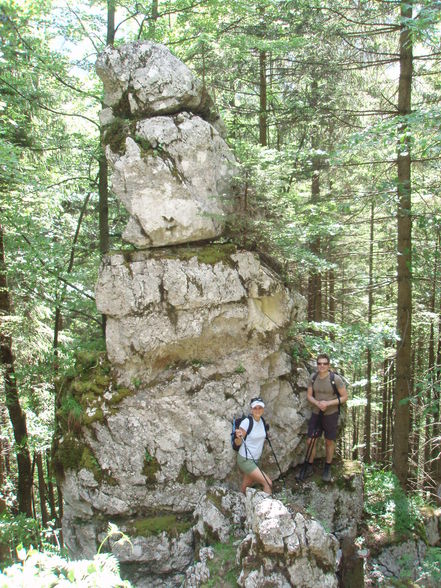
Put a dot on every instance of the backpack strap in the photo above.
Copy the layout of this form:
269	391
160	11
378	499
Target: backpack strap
334	386
266	426
313	379
250	424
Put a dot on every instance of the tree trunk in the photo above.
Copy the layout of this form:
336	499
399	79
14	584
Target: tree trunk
16	414
384	414
315	280
332	305
263	130
42	489
434	432
367	414
50	489
103	186
110	37
153	20
403	387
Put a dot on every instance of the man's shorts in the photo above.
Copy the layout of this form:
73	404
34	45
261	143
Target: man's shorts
246	466
323	422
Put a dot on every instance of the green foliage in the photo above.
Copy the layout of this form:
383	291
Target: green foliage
44	569
389	509
47	566
345	344
223	568
24	531
431	567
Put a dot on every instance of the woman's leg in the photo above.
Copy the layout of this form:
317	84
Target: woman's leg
257	477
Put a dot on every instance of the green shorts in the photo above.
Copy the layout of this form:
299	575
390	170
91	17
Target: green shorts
246	466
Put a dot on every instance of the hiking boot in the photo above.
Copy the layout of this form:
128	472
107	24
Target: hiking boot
306	470
326	476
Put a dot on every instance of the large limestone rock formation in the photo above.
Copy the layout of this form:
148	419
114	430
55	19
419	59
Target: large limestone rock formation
193	331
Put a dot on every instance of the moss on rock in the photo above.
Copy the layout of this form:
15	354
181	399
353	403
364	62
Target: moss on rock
210	253
185	477
87	395
115	135
151	468
169	523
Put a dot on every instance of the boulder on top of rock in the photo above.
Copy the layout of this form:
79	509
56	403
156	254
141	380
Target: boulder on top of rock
145	79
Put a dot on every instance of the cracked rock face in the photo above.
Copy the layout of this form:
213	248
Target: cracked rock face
283	549
193	340
175	180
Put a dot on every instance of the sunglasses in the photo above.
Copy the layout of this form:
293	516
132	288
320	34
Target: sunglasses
323	363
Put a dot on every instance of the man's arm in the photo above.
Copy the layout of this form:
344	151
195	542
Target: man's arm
336	401
343	394
311	398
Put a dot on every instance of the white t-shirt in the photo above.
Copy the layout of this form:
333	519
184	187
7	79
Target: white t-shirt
254	441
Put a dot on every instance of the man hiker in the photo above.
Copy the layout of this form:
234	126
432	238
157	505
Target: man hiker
326	391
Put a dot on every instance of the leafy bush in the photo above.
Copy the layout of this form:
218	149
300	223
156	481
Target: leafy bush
431	567
44	570
47	569
388	507
25	531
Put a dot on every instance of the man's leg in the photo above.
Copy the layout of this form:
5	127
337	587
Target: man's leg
330	448
330	423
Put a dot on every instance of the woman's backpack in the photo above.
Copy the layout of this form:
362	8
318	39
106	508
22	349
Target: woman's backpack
236	425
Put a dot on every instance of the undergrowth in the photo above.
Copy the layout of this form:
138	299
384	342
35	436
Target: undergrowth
389	510
223	569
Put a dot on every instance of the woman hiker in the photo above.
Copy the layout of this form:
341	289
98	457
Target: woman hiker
250	448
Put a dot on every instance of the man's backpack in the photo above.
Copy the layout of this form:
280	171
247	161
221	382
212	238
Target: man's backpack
236	425
333	384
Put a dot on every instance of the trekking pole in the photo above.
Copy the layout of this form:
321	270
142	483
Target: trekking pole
247	451
307	456
277	461
310	449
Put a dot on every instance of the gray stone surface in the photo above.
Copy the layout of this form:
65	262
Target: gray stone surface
339	505
176	179
402	560
145	79
219	514
284	549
